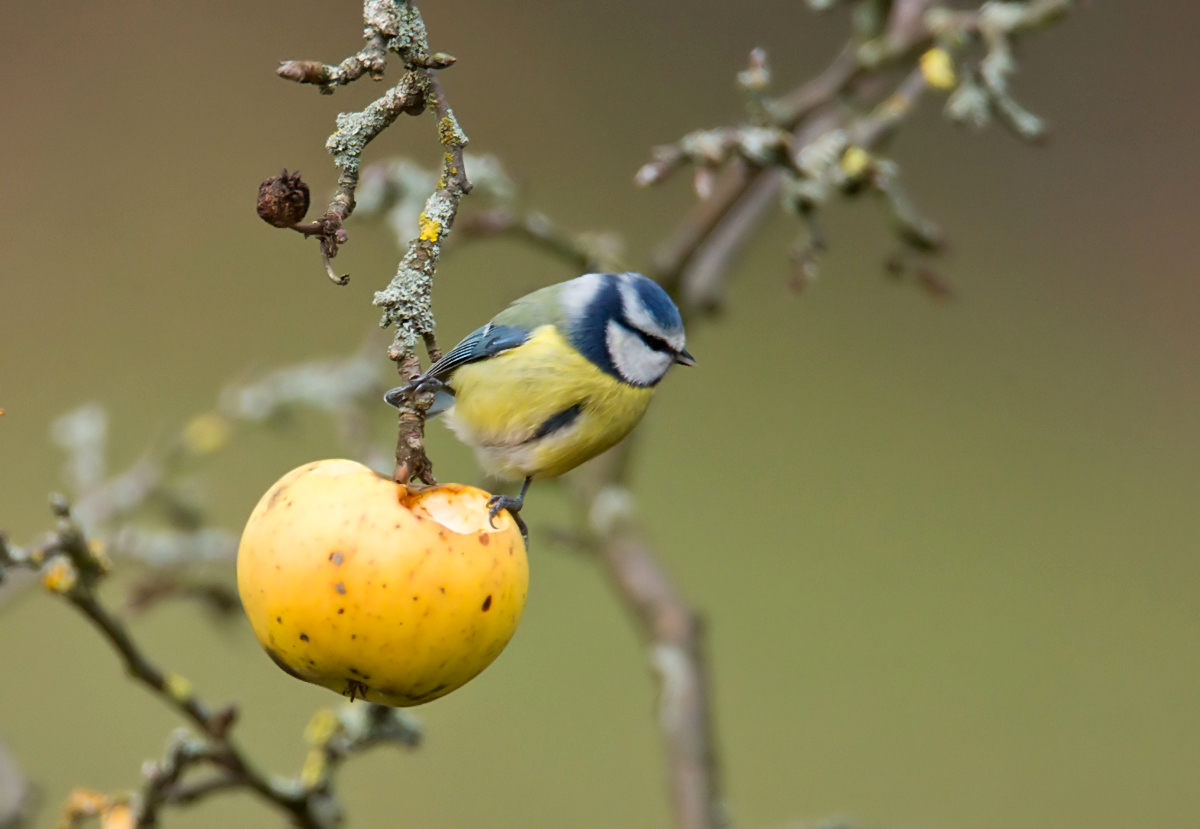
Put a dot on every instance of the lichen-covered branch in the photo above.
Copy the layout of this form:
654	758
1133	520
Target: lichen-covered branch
283	200
346	145
335	736
395	26
815	138
371	59
406	301
391	25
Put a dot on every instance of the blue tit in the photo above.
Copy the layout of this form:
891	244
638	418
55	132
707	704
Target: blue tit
556	378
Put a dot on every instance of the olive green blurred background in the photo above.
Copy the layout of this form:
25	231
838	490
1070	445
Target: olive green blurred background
950	558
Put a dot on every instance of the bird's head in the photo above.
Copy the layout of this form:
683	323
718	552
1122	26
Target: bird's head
626	324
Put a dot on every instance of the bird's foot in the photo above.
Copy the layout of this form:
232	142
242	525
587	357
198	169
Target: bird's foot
513	504
418	385
429	385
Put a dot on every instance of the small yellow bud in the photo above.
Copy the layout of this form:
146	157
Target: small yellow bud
100	555
321	727
83	801
115	811
60	576
855	161
938	68
178	687
207	433
118	816
314	768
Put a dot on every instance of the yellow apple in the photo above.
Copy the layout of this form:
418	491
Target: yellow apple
354	583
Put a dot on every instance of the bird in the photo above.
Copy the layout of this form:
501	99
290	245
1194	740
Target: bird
556	378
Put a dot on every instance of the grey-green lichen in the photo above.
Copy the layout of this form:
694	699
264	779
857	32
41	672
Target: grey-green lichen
406	299
356	129
402	23
391	25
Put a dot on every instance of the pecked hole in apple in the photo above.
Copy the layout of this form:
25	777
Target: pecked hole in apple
457	510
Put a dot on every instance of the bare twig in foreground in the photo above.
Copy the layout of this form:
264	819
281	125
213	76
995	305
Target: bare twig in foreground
72	566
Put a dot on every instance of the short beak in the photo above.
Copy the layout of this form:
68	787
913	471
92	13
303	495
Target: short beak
685	359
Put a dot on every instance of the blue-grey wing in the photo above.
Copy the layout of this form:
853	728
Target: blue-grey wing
480	344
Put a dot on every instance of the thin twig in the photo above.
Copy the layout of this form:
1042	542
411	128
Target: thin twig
355	131
390	25
371	59
702	281
184	794
911	28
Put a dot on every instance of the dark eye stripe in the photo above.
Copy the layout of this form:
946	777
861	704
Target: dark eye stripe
652	342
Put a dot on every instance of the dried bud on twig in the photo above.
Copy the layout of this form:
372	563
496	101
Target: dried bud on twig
303	71
283	200
439	60
756	76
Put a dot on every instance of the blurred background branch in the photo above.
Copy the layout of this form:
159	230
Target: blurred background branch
152	514
18	797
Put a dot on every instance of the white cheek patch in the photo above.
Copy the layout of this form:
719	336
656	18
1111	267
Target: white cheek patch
637	362
640	318
579	292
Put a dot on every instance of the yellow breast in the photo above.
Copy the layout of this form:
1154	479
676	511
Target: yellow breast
501	403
